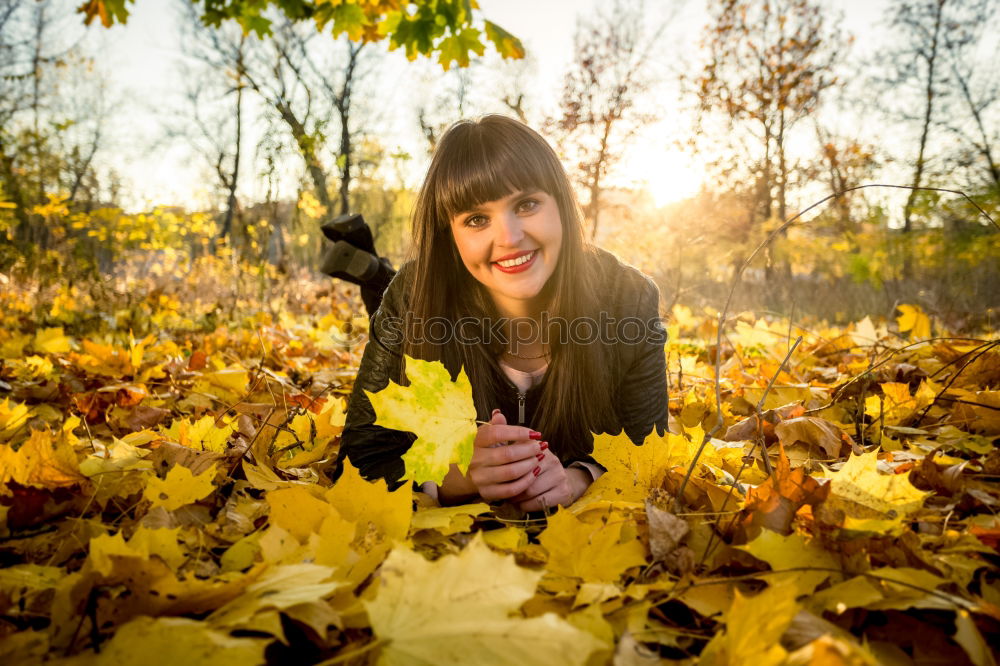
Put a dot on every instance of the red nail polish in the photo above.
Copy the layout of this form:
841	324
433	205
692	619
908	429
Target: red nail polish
536	471
540	456
534	434
543	446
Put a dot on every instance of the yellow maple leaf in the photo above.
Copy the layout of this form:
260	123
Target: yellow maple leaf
793	553
118	456
52	341
36	367
633	471
439	411
175	640
107	360
869	499
591	551
914	320
159	542
205	434
331	418
448	519
13	417
41	462
297	511
363	502
181	487
754	626
298	443
104	546
226	384
280	587
894	406
460	609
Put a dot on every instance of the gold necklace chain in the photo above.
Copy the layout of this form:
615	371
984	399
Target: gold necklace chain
526	358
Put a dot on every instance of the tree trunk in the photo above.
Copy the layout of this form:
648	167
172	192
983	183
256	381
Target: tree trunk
308	150
918	172
985	148
227	223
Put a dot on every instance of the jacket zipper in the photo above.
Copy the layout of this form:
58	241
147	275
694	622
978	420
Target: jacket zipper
521	395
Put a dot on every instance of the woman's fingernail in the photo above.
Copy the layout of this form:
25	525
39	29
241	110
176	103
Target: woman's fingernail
543	446
536	471
495	412
540	456
534	434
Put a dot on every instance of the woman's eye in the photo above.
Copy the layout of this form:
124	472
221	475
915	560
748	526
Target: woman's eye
528	205
475	221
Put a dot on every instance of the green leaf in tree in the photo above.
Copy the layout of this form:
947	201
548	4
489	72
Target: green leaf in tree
457	48
346	17
507	45
415	34
109	11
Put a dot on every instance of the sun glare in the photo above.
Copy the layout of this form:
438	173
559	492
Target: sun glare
668	174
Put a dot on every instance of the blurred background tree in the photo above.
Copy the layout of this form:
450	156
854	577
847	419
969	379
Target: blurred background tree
291	111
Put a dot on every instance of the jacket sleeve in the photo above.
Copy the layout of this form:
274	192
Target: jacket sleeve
374	450
641	399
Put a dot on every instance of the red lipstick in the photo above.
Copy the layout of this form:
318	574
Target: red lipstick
521	267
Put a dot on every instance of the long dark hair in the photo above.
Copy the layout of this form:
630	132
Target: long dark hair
484	160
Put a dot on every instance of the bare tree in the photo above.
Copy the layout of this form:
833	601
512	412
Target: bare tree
608	76
451	100
308	88
769	65
218	124
974	84
917	62
47	145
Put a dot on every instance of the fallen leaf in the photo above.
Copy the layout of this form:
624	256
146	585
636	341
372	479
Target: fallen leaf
41	462
774	503
869	499
168	641
795	555
461	609
181	487
591	551
815	431
439	411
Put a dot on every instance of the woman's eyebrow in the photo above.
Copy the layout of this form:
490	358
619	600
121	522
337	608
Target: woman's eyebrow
479	208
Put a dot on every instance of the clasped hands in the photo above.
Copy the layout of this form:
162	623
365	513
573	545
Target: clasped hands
513	463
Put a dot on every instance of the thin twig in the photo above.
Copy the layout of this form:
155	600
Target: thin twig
739	277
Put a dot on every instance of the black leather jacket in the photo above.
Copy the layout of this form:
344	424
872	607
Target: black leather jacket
637	372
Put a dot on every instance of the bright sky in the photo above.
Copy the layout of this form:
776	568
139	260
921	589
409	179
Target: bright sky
143	58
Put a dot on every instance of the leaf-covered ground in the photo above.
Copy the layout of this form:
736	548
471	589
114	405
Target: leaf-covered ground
165	498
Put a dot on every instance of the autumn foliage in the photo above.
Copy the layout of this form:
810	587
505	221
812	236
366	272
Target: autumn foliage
166	496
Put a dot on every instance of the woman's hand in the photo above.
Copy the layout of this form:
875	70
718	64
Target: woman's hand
498	470
554	485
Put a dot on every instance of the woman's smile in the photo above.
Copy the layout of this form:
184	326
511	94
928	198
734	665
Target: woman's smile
511	246
522	262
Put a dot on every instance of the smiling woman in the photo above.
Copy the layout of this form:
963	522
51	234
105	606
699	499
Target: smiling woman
559	338
511	247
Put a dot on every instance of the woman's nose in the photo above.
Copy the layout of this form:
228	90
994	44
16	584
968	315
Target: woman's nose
510	230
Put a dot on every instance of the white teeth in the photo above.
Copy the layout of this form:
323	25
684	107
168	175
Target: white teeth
517	262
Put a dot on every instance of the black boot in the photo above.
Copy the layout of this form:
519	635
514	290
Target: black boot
353	258
351	228
347	262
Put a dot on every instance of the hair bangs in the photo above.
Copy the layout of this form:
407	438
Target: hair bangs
481	163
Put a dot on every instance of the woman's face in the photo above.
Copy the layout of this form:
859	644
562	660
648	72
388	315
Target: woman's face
511	247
